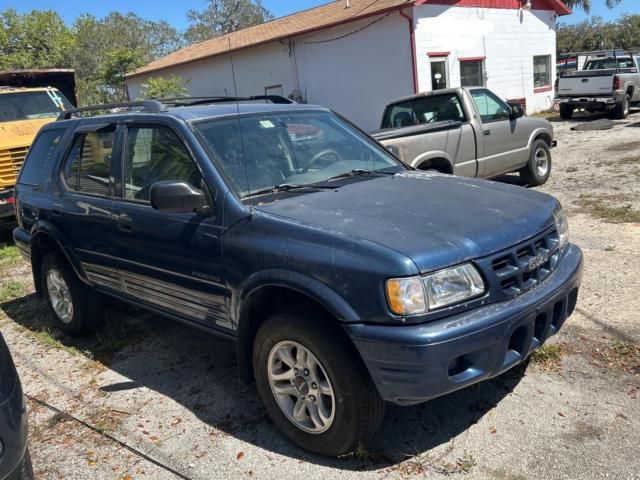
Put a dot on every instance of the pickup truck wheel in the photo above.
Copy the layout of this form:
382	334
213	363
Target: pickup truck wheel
566	111
313	384
538	168
75	307
621	111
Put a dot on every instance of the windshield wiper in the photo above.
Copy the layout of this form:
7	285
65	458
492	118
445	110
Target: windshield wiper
286	187
359	171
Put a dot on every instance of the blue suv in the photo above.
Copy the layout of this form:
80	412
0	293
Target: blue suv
346	278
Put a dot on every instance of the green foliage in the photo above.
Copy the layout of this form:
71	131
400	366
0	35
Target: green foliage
37	39
158	87
586	4
596	34
224	16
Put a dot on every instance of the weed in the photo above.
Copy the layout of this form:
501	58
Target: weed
9	254
11	289
572	169
48	338
548	356
621	355
624	214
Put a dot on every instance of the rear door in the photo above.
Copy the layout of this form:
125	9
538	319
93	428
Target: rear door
170	261
82	209
504	139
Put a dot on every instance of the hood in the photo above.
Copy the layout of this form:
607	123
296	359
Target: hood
21	132
435	220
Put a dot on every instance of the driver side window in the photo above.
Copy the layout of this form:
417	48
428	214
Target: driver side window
153	154
490	107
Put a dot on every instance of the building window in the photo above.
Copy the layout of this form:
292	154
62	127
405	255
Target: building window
472	73
439	69
542	71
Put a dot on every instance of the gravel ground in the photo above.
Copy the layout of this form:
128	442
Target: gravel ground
172	394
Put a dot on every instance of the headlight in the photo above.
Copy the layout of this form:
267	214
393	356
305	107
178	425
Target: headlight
416	295
562	227
453	285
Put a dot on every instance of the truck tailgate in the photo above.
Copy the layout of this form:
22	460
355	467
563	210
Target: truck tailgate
597	83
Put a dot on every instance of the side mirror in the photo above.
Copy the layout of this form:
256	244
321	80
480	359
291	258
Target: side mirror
176	197
516	110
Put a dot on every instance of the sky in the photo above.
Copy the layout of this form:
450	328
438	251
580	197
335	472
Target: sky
174	11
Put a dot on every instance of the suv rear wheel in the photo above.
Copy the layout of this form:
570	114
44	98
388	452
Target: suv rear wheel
313	384
537	170
75	307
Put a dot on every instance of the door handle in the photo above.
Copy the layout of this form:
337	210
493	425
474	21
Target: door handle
125	223
56	209
487	133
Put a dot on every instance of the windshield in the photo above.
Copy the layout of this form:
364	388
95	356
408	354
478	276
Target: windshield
608	63
294	148
30	105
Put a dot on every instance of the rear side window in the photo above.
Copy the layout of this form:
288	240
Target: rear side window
421	110
87	168
39	156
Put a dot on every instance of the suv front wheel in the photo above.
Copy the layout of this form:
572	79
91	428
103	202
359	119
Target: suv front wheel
75	307
313	384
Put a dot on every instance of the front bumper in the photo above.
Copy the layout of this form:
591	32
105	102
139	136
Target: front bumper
13	434
410	364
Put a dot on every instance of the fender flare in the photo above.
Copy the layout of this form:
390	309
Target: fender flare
41	228
536	133
426	156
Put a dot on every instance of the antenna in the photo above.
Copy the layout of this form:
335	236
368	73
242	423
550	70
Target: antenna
244	156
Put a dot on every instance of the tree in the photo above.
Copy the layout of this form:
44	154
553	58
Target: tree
158	87
596	34
586	4
37	39
224	16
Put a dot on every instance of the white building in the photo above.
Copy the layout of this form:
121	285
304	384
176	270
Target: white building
358	55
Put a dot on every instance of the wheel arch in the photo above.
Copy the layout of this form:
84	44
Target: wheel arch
267	292
46	239
438	160
541	134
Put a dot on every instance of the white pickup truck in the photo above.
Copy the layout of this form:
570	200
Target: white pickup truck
607	83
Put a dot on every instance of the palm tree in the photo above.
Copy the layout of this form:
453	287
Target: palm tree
586	4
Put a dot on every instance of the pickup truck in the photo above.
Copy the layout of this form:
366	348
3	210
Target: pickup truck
469	132
605	84
291	232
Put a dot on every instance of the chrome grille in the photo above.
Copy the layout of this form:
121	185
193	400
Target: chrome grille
513	271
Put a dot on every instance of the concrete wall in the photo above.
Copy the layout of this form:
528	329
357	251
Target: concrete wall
508	39
356	75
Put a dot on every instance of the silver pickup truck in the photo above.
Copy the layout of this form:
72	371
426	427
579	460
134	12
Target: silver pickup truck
606	83
469	132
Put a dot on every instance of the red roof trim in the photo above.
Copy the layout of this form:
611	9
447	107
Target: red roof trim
472	59
542	89
557	5
438	54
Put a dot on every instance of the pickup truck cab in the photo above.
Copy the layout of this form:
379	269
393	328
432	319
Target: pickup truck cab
291	232
469	132
609	83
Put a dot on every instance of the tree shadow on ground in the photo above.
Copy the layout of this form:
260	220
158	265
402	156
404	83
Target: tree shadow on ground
199	372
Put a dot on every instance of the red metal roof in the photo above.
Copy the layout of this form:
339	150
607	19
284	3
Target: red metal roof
557	5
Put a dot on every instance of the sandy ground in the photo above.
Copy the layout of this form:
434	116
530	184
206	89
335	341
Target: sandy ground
172	393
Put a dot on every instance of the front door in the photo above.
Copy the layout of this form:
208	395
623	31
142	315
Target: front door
171	261
504	138
439	78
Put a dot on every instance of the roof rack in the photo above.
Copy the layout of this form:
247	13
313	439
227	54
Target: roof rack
158	106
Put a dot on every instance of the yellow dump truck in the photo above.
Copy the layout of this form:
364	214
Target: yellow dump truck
23	111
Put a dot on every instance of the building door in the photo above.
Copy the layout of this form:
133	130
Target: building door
439	78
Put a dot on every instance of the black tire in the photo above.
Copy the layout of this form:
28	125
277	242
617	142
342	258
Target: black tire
87	304
622	110
566	111
26	468
359	409
531	174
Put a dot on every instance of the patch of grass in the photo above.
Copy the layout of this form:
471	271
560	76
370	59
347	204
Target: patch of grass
48	338
548	356
597	208
549	115
622	355
11	289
